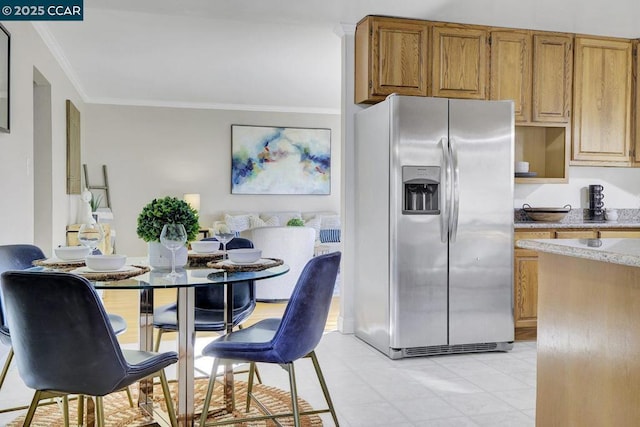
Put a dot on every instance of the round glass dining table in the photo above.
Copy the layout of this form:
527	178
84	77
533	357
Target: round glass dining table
185	282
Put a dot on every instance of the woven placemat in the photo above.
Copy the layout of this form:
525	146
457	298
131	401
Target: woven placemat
105	276
246	267
58	265
118	413
201	260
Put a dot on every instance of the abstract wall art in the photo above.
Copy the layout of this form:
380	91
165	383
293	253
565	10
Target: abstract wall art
280	160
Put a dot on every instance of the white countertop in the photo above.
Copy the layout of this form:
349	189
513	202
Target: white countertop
615	251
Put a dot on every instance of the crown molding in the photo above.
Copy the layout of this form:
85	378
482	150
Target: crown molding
55	49
213	106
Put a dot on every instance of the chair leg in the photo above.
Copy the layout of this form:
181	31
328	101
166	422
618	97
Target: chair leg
99	411
323	384
32	408
207	398
5	369
157	346
252	369
167	398
294	394
65	410
129	396
80	410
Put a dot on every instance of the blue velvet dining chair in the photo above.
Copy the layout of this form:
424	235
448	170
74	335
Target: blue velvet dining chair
209	304
64	343
283	341
21	257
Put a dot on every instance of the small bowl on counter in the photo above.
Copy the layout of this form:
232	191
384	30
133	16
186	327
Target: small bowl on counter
72	253
105	262
546	214
244	255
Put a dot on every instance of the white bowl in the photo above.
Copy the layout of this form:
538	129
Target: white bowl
522	167
205	246
105	262
72	253
245	255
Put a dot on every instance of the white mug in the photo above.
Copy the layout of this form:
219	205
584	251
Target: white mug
522	167
611	214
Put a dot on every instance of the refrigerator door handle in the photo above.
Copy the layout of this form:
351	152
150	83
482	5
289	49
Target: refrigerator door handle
455	199
446	183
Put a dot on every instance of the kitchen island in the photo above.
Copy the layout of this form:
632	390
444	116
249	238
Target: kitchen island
588	353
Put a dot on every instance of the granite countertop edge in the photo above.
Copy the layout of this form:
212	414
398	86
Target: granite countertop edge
582	224
595	254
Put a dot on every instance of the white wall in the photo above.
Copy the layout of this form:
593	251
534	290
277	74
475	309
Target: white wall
154	152
28	51
621	189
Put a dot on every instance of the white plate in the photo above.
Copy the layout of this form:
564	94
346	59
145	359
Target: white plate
84	270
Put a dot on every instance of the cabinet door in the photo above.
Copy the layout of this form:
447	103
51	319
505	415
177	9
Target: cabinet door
619	234
510	76
390	57
636	73
552	77
602	100
460	66
525	288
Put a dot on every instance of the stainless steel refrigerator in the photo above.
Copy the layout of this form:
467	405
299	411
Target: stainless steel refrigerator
434	184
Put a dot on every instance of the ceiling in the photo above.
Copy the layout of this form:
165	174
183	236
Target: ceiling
274	55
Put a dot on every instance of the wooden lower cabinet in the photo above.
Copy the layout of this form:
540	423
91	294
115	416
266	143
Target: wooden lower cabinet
525	293
525	272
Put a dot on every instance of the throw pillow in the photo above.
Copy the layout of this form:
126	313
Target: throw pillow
238	223
256	221
315	224
329	235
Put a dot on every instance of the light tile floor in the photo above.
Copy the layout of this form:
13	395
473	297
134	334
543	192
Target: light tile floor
369	389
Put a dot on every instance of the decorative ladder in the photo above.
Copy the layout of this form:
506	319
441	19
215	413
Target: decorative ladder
104	187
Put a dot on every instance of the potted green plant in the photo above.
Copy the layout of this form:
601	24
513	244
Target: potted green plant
295	222
154	216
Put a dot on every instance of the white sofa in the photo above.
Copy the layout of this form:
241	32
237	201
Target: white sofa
327	225
294	245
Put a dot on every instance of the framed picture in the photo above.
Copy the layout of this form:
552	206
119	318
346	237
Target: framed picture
280	160
5	45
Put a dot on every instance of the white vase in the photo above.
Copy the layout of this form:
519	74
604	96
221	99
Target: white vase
160	257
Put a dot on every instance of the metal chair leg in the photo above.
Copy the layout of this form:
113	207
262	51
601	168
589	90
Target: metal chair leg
5	369
99	411
252	369
157	346
323	384
65	410
130	397
294	394
80	410
167	398
32	408
207	398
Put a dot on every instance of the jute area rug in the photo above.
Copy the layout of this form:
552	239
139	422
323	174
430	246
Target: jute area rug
118	413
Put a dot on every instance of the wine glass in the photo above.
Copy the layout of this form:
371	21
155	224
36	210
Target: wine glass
172	237
91	235
224	234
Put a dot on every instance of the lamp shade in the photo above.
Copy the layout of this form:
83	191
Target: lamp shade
193	199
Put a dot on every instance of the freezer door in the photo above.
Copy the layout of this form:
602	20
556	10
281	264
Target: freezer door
418	250
481	138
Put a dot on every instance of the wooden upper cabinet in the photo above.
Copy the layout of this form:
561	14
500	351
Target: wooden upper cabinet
535	71
552	77
602	101
390	57
460	63
511	70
